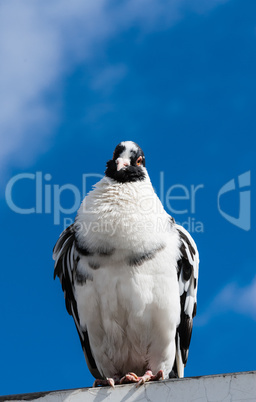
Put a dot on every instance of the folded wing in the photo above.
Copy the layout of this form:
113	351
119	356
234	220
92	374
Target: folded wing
187	271
66	257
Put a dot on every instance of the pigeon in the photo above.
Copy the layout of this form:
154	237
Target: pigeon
129	275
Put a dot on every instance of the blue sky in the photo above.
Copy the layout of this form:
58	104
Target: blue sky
177	77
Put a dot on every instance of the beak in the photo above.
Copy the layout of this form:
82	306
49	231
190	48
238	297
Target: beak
122	163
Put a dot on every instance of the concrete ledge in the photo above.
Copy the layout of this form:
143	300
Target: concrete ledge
235	387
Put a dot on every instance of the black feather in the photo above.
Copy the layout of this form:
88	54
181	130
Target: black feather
184	273
130	174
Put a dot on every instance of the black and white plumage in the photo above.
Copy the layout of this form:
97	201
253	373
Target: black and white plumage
129	274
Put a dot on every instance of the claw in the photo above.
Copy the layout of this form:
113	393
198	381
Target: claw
104	383
149	376
130	378
111	382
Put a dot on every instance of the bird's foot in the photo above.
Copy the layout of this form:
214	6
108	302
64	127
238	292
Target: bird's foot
148	376
129	379
106	382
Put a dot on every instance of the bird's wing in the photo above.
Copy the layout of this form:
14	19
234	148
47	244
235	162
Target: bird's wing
66	256
187	271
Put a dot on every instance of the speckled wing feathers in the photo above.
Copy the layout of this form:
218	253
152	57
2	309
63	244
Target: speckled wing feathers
65	255
187	271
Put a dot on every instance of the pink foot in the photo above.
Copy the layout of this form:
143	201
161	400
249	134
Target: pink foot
129	378
103	383
148	376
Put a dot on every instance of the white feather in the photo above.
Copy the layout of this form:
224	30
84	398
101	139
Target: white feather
131	312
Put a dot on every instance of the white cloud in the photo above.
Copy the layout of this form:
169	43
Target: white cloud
232	298
42	41
243	300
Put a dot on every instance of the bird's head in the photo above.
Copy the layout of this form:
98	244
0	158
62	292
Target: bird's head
127	164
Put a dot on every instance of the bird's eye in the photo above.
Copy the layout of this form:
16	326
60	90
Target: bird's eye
139	161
